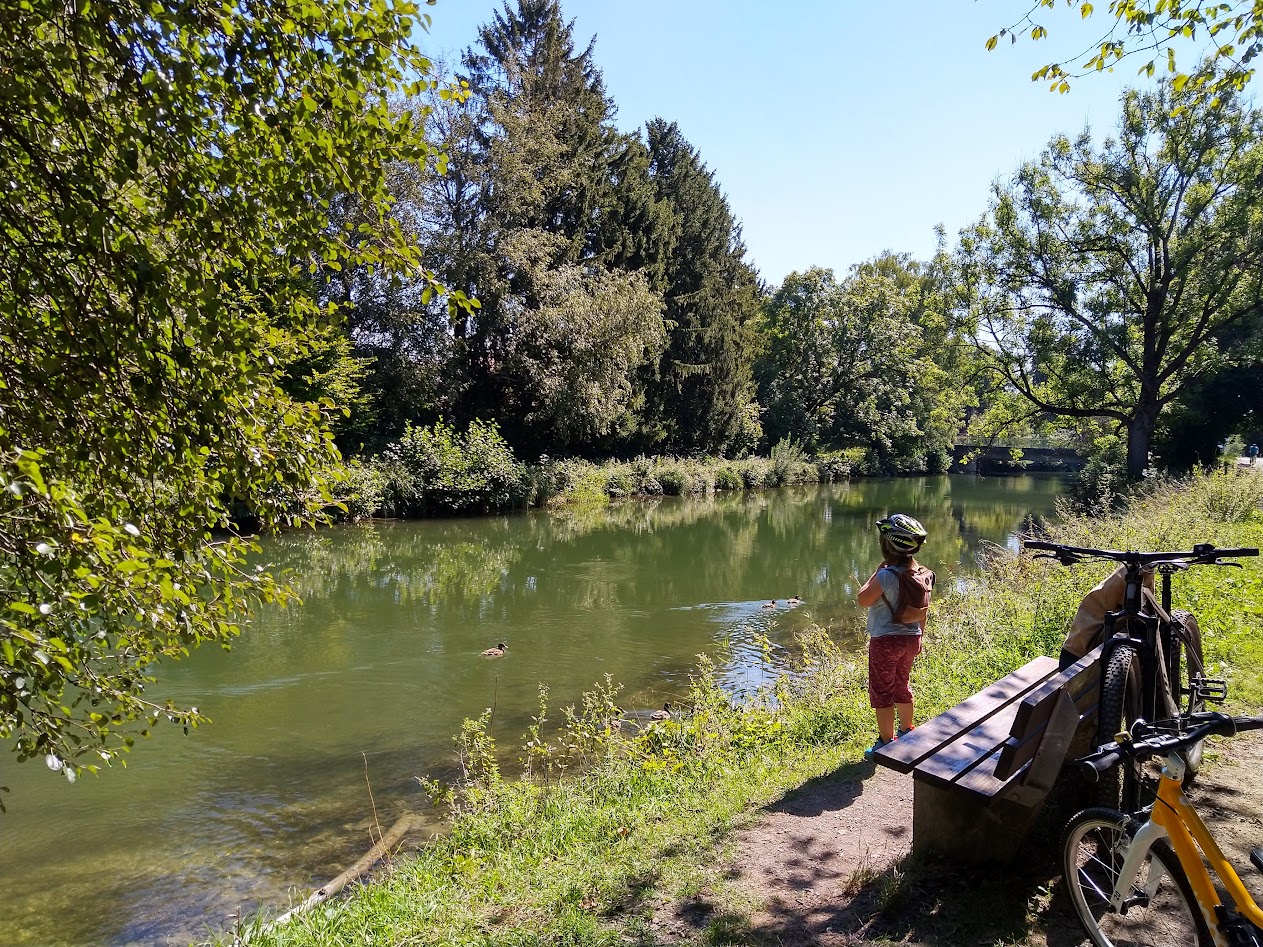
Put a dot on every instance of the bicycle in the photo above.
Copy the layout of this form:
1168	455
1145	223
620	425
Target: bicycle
1141	879
1151	663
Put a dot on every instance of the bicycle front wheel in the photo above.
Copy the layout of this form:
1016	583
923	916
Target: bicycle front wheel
1159	911
1120	787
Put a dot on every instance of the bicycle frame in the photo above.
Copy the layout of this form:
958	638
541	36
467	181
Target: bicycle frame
1175	819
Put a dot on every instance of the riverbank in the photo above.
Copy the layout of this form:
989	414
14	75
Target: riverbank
608	824
438	470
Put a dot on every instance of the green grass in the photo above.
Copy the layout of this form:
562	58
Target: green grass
601	826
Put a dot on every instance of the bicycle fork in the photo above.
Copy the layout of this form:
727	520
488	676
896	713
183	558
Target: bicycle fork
1173	819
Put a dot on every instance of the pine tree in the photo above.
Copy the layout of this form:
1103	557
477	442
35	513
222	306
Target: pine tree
701	395
567	316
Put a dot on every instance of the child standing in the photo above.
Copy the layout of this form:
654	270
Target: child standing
897	597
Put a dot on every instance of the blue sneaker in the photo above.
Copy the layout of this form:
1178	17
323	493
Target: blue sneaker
868	754
904	733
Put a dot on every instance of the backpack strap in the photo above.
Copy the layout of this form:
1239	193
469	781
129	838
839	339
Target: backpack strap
893	610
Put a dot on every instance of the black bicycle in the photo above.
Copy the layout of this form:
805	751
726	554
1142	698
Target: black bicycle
1152	666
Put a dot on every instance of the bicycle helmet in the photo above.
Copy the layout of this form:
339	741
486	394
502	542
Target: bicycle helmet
902	532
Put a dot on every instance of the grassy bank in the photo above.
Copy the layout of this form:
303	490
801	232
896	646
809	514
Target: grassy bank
439	470
604	823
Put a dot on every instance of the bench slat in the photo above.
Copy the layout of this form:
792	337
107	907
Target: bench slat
908	751
981	779
1081	681
976	748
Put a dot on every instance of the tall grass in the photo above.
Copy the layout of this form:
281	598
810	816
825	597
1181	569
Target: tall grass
604	821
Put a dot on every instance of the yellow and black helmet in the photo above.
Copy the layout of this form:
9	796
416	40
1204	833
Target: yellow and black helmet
902	532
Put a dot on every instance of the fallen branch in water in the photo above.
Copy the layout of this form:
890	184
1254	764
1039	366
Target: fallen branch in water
375	854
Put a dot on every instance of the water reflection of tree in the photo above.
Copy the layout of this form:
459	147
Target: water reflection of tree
813	542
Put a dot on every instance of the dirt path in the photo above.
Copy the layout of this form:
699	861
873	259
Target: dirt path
829	865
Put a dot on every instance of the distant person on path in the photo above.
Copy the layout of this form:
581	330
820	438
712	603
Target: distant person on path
1253	453
897	597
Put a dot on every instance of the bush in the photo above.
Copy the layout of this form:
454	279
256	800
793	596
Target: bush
651	487
833	466
438	468
1102	483
568	483
549	479
701	478
787	457
361	489
673	480
1231	496
727	479
621	482
756	473
938	461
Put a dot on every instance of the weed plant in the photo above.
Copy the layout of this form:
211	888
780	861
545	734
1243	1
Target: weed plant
606	821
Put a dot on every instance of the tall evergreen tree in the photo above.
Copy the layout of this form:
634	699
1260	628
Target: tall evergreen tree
700	396
565	322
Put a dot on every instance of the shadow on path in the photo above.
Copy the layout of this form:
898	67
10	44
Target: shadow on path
831	864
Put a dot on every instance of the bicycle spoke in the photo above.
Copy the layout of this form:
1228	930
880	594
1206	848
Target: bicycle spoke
1157	911
1093	885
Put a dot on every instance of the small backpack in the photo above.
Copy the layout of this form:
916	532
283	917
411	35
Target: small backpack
915	585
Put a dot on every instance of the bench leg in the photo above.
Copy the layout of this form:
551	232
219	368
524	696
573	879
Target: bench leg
966	827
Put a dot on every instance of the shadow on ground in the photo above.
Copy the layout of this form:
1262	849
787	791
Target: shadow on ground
923	901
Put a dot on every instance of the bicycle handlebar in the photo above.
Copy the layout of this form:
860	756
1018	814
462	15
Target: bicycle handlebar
1110	755
1202	554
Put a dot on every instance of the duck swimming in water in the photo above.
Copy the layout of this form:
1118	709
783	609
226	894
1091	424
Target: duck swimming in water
497	651
663	714
771	604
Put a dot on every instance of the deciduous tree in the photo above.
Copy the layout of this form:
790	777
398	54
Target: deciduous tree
1103	277
1230	34
167	172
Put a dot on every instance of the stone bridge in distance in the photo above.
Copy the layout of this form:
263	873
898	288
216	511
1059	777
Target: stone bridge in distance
1014	455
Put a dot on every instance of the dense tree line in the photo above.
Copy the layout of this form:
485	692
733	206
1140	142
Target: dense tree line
617	314
1104	293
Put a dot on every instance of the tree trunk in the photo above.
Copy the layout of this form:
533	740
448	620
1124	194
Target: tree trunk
1139	435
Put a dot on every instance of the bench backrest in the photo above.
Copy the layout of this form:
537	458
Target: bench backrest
937	735
985	743
1081	681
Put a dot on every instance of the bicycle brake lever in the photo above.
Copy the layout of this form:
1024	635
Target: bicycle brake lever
1230	565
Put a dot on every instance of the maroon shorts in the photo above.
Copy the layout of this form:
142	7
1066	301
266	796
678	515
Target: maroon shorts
889	664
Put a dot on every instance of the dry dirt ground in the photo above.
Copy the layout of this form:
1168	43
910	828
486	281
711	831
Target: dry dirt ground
830	864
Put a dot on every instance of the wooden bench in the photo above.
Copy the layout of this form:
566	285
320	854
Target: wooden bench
983	769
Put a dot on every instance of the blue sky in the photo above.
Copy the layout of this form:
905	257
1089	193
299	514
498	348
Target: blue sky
837	129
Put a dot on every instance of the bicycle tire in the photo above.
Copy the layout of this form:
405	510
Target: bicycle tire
1162	911
1119	788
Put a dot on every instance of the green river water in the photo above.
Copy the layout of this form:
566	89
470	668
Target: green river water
377	668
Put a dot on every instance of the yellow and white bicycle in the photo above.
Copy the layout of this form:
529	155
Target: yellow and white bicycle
1146	878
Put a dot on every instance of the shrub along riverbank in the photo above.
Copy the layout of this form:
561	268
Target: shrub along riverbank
603	822
437	470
